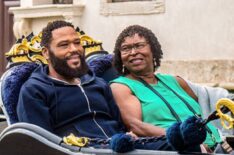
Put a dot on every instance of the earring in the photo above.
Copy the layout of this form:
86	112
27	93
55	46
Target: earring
123	69
155	63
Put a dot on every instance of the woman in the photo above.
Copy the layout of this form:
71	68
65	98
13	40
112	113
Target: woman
149	102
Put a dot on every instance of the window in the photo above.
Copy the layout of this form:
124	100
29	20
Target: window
128	0
131	7
62	1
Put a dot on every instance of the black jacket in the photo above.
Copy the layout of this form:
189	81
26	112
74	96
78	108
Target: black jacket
85	110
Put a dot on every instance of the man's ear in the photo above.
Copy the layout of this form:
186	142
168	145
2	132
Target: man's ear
45	53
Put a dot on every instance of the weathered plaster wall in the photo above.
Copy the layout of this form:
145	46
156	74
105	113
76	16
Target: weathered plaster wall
197	36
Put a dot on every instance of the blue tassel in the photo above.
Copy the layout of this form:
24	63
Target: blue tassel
174	137
188	135
192	131
122	143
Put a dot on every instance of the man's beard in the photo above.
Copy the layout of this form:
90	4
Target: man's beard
62	68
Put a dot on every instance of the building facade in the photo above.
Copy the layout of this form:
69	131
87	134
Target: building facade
196	36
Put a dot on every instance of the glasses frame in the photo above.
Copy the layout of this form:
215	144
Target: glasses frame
127	49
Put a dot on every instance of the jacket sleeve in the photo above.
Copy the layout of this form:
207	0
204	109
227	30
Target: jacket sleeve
32	108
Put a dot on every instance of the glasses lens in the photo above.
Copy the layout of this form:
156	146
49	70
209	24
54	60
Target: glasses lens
128	48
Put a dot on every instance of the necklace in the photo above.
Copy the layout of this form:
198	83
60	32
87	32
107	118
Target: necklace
151	79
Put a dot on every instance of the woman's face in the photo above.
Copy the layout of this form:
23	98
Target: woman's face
136	55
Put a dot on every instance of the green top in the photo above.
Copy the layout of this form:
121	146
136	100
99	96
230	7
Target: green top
156	112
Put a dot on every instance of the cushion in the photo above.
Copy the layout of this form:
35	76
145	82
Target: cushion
11	85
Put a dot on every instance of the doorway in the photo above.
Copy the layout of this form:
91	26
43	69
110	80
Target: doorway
6	30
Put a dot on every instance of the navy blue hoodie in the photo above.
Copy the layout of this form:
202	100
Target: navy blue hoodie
87	110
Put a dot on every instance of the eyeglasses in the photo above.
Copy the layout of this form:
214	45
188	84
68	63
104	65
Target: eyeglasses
126	49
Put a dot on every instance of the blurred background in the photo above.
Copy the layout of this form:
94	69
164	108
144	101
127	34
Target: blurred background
196	36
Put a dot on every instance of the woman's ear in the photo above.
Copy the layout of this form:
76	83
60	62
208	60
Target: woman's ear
45	53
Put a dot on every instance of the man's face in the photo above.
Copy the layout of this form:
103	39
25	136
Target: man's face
66	53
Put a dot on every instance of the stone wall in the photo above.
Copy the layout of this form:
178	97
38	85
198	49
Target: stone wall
209	72
196	36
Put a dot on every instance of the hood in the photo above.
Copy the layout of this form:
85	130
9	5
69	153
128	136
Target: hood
41	74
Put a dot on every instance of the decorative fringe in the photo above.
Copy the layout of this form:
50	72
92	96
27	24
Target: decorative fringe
122	143
187	135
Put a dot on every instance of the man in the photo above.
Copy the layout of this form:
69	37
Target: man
65	96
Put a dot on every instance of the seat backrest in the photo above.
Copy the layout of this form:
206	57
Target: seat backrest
101	64
10	84
99	60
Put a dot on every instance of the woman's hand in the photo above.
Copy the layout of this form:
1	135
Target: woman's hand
135	137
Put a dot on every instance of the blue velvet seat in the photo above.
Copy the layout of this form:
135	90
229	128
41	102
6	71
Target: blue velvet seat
11	82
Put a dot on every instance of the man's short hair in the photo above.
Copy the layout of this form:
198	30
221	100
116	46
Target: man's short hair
47	31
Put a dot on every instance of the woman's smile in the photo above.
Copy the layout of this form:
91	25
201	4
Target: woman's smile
136	61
